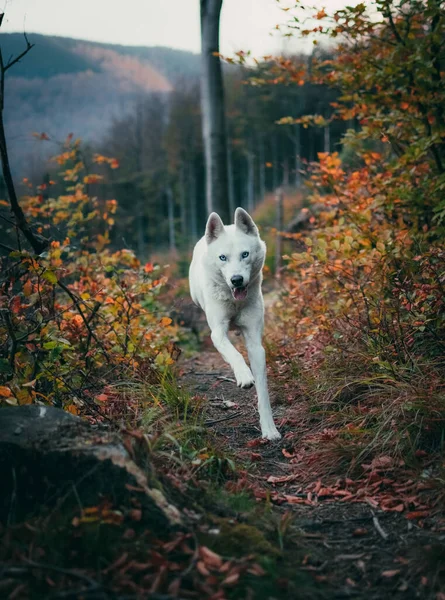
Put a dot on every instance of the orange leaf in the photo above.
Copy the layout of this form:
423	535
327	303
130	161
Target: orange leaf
5	392
27	288
165	321
148	267
16	304
102	397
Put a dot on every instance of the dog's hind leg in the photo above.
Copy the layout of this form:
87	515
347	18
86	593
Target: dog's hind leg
257	358
243	375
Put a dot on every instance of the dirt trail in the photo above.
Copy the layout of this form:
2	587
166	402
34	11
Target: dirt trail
356	550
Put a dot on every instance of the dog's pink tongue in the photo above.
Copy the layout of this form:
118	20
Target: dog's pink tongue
240	293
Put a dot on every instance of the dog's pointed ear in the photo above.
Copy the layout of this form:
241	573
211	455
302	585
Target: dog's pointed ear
245	222
214	227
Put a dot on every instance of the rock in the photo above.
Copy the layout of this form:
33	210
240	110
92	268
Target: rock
48	455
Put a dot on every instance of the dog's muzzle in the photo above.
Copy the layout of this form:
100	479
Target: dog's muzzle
239	291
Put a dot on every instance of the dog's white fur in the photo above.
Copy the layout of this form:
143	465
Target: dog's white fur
212	289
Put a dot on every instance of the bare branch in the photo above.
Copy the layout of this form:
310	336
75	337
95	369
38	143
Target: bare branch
37	242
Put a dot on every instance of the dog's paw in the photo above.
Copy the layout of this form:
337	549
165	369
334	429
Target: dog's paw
271	434
244	378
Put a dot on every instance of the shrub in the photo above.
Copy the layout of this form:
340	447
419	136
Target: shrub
80	315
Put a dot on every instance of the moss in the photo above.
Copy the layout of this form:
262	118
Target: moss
241	539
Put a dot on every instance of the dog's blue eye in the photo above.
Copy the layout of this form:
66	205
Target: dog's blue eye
244	255
223	257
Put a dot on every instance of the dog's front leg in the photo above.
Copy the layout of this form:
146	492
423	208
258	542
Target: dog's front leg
243	375
257	358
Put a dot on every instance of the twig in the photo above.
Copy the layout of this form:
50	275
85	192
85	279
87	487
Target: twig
222	378
37	242
6	317
378	527
7	248
22	569
81	313
238	414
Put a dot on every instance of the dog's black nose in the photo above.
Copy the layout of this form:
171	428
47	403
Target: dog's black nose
237	281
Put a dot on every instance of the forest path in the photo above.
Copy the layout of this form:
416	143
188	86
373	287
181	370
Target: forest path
355	550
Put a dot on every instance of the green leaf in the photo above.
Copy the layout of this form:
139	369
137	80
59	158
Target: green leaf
50	276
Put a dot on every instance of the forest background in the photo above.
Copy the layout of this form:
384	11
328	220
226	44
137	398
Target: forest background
352	136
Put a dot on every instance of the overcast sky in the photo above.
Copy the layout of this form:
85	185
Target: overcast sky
245	24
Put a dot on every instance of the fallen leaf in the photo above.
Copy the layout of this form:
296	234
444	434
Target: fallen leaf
390	573
274	480
256	569
202	568
210	558
231	579
255	457
257	442
417	514
295	500
135	514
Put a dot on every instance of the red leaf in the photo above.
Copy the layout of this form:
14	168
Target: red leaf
417	514
255	457
257	442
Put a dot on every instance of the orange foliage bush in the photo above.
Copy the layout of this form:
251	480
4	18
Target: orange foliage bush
363	316
80	315
366	278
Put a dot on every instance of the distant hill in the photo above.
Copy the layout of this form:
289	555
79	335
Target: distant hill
66	85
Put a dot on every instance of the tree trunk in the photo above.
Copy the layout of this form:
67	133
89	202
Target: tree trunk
213	112
275	162
139	142
250	181
279	197
327	138
171	220
286	172
297	149
193	206
140	228
262	160
311	144
183	204
231	182
38	242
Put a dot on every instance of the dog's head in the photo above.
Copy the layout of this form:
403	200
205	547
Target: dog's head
236	251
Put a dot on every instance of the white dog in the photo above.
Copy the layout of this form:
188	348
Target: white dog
225	281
